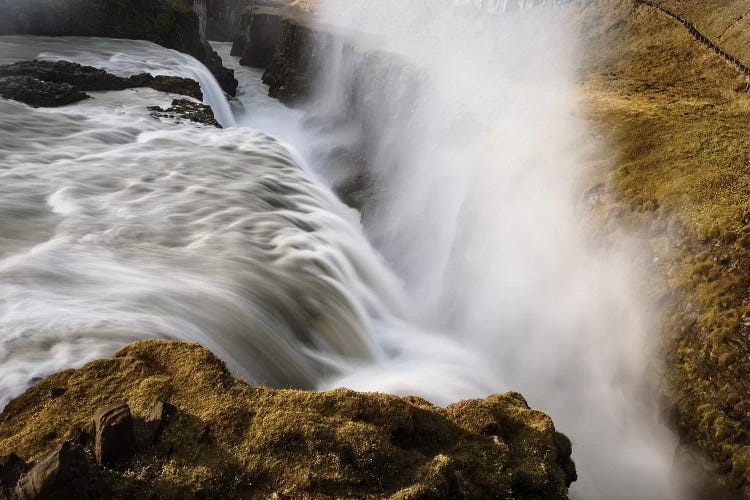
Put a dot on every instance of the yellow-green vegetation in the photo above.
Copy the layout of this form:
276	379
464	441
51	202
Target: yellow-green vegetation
676	119
232	440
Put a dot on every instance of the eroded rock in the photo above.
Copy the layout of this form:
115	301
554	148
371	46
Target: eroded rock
62	474
11	468
115	439
159	416
39	93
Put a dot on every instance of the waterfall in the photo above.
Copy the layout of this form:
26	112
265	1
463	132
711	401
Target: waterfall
475	141
115	226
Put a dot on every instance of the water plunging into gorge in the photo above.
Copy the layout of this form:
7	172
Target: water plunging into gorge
471	274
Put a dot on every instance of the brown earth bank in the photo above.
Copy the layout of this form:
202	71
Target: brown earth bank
165	419
664	84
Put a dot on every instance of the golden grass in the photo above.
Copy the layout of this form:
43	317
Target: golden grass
232	440
679	129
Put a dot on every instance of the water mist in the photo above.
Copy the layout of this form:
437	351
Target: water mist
475	143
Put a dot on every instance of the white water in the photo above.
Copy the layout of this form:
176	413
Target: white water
115	226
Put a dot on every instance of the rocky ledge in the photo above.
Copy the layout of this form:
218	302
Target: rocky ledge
174	24
57	83
165	419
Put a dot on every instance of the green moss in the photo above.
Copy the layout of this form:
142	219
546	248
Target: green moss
235	440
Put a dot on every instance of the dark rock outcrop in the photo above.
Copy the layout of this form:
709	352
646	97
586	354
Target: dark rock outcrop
115	439
278	38
224	17
170	23
232	440
57	83
261	37
187	110
173	85
11	469
39	93
159	416
63	474
77	75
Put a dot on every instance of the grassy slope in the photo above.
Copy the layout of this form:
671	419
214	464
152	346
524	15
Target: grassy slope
680	168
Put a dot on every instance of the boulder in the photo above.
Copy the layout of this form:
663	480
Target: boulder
115	439
177	85
62	474
184	109
77	75
38	93
11	468
159	416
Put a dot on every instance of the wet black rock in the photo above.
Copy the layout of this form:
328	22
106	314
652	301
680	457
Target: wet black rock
223	75
77	75
169	23
39	93
187	110
171	84
57	83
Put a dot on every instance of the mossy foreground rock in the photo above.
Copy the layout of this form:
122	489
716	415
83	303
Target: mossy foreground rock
226	439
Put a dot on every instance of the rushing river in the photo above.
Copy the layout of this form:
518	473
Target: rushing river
116	226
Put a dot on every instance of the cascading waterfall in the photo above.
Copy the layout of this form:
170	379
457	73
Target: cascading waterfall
476	166
115	226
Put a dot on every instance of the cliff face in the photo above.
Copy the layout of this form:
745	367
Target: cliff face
224	18
196	431
171	23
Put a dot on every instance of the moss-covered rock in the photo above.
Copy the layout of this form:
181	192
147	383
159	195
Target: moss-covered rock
232	440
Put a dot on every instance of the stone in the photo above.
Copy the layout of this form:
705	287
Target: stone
79	76
159	416
38	93
178	85
62	474
188	110
11	468
115	439
56	392
88	78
